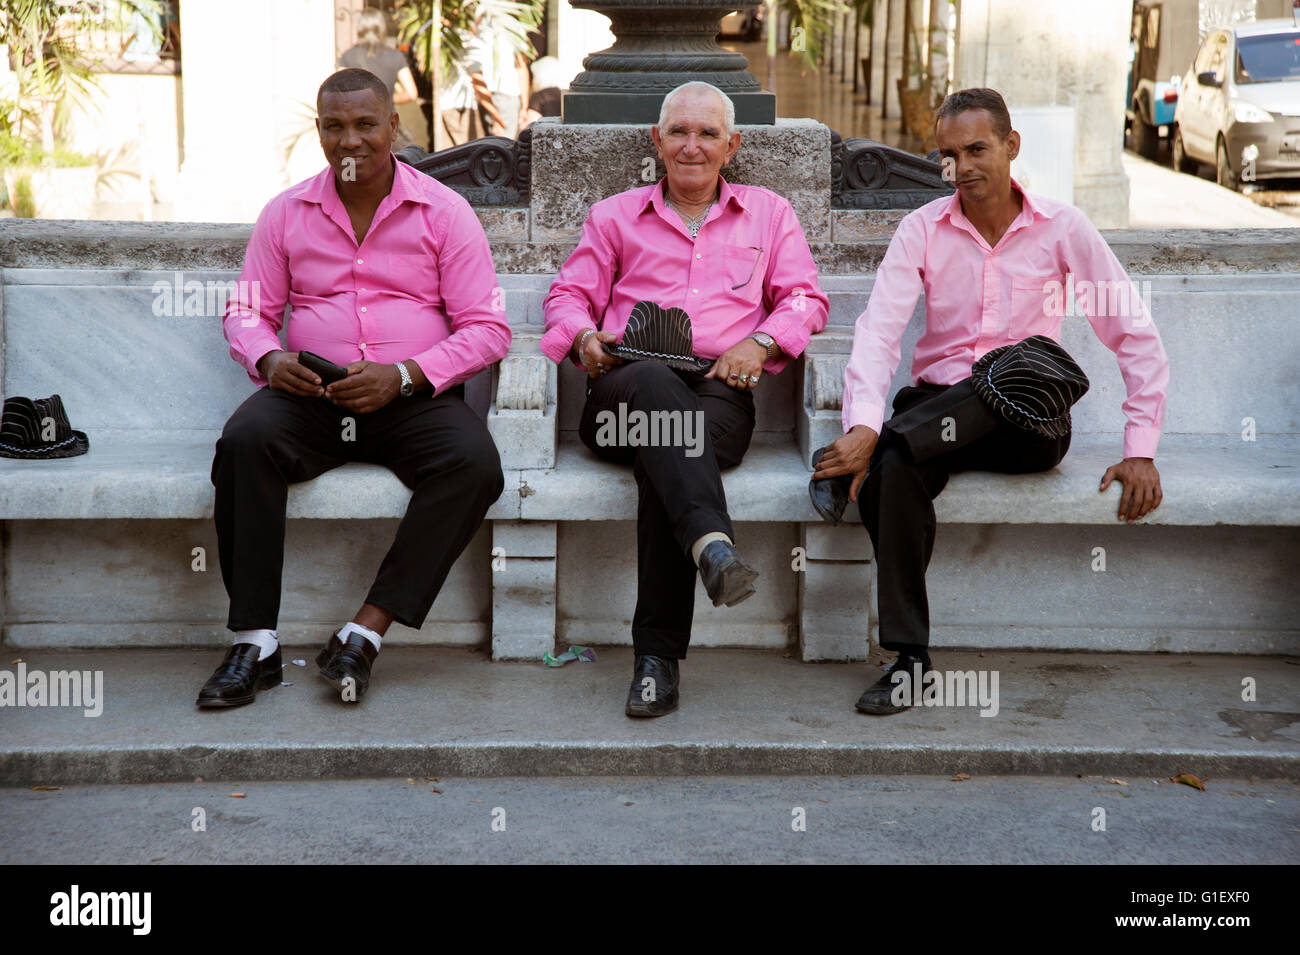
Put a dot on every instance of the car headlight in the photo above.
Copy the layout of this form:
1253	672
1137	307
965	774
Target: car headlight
1244	112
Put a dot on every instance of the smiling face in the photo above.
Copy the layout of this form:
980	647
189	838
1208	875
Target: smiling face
693	142
980	160
356	134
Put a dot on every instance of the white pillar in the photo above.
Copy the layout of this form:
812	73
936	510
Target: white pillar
250	75
1038	54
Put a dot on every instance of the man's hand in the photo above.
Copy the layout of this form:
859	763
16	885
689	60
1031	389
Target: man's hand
368	387
594	358
283	373
849	454
739	363
1141	483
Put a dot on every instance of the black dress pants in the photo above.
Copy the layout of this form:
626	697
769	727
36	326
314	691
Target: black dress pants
936	431
436	445
679	497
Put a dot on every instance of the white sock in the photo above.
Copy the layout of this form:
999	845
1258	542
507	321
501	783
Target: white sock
265	639
705	541
350	627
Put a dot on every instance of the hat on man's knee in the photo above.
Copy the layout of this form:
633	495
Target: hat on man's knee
1031	384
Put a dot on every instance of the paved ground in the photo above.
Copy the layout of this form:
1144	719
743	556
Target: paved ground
450	712
851	819
1160	198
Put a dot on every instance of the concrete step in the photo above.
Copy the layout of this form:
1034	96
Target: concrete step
453	713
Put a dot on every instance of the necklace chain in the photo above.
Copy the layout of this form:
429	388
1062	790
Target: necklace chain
694	223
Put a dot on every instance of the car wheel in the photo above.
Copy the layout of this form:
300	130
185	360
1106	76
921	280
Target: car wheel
1223	168
1182	161
1146	139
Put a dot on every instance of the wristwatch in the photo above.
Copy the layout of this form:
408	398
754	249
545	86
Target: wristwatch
764	339
408	386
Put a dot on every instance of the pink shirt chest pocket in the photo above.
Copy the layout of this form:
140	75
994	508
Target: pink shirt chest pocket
1036	306
741	275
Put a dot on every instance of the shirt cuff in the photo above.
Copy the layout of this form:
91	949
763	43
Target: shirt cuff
557	341
873	416
1141	441
256	352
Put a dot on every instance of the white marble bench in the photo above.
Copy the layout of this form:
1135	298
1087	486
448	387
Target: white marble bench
101	550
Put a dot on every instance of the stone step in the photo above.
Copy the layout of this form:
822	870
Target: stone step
454	713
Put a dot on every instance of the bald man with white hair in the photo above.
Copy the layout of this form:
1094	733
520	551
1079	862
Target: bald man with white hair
734	258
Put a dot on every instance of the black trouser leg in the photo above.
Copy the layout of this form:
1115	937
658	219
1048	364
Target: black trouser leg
897	499
680	498
443	452
272	440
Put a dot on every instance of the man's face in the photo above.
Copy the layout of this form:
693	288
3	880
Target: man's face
979	160
693	142
356	135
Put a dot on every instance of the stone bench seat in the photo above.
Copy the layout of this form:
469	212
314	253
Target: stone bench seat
1207	480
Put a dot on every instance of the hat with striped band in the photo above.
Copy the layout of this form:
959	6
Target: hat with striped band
38	429
1031	384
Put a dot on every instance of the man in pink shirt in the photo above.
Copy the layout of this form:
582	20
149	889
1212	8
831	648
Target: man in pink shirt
735	260
992	261
388	273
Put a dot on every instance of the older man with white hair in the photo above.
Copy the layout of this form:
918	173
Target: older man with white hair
735	260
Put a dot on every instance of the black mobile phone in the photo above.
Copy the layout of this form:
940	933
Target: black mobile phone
328	371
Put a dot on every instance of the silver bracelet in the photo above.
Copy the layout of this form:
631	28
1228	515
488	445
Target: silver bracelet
582	342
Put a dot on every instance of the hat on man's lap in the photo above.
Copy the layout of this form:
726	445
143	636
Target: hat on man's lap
38	429
1031	384
659	334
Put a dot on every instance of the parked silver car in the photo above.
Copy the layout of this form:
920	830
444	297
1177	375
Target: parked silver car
1239	105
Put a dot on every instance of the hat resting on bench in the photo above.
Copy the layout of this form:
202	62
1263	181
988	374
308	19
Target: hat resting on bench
23	430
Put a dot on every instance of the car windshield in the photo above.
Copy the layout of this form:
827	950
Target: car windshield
1268	59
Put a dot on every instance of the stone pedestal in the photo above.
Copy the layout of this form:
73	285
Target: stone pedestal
574	166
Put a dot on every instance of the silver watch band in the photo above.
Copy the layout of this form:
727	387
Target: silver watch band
408	386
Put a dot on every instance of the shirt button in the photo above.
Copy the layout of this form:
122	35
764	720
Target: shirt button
363	308
698	256
360	261
695	291
362	290
362	345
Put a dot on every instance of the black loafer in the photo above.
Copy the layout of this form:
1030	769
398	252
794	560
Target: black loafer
655	698
830	496
727	578
878	699
239	677
347	664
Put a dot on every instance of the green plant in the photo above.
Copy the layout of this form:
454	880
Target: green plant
415	20
24	202
15	151
811	21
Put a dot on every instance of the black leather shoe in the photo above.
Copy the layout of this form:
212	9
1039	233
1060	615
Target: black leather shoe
727	578
878	699
239	677
340	662
830	496
663	691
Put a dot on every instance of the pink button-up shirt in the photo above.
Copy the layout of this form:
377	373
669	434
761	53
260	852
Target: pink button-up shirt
977	299
421	285
749	270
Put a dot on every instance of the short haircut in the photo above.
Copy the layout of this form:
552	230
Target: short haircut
728	107
353	80
990	101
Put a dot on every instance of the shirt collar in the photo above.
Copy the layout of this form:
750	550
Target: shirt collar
1029	209
406	187
654	198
